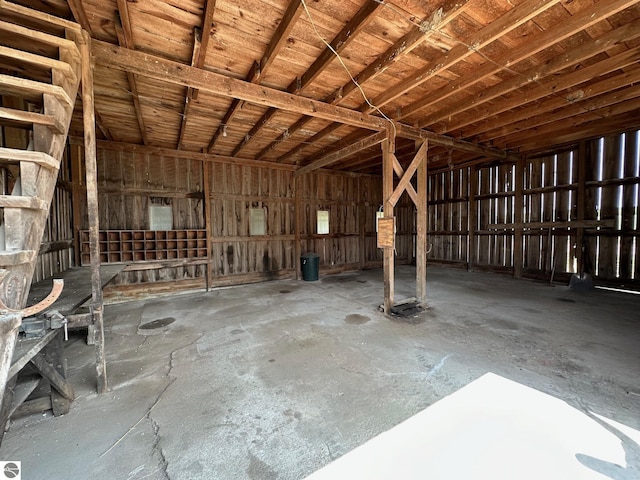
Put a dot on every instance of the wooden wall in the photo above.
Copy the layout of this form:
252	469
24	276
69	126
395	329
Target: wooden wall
579	212
129	180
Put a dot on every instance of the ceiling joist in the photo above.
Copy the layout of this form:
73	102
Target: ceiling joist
337	45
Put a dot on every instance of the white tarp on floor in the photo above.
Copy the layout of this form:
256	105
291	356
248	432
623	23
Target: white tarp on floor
494	429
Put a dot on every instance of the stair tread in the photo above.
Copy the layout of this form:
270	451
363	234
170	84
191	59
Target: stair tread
16	257
14	155
20	86
38	60
32	14
24	117
18	201
47	38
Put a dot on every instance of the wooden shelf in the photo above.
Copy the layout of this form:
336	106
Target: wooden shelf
130	246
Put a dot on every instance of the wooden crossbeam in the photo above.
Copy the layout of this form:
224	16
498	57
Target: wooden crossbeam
399	171
570	224
407	131
52	375
408	175
438	19
367	142
140	63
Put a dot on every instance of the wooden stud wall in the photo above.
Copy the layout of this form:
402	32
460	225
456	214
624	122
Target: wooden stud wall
448	216
468	206
128	180
352	202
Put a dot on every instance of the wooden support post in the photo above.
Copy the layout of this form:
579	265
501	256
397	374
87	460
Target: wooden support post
388	154
297	217
9	324
518	217
421	230
473	215
580	206
76	192
362	224
89	123
206	210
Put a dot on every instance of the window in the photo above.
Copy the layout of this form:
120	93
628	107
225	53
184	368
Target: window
323	222
160	217
257	222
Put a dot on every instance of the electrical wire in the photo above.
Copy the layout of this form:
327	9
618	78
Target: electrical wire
355	82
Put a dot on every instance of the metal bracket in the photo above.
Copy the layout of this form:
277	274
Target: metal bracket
56	290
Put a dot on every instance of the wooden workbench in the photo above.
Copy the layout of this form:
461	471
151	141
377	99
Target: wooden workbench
37	376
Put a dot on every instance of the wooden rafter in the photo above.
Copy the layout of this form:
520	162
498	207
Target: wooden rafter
125	39
259	69
201	38
362	144
508	22
438	19
544	40
140	63
560	99
197	42
77	9
339	43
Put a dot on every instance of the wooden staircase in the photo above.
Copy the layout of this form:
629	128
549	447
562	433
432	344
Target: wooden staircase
40	71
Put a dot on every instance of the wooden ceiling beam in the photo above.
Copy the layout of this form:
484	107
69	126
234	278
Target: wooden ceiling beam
201	37
511	114
414	133
338	44
79	13
205	36
191	92
603	106
598	128
508	22
328	130
541	42
125	39
438	19
259	69
152	66
356	147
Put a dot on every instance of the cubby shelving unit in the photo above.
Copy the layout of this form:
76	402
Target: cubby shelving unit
129	246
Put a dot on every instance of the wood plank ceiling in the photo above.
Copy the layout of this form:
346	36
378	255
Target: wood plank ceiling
521	76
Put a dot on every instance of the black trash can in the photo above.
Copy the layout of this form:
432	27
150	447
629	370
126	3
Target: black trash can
310	263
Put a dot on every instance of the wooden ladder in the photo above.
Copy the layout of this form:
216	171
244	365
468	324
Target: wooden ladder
40	71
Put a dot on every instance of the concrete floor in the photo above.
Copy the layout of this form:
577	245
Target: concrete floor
276	380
